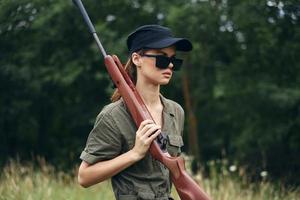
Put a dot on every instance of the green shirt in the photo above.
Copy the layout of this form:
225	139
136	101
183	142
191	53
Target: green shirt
114	134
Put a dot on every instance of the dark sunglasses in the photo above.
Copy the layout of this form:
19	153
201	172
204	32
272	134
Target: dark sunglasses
163	62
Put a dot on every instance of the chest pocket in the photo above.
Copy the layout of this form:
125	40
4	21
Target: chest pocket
174	145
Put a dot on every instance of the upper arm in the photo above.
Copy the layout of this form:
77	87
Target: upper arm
104	141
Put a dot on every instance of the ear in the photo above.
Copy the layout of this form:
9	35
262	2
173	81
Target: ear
136	59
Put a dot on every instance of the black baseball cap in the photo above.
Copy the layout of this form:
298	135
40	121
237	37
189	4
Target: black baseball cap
155	37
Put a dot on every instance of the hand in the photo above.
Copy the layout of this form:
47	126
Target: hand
145	134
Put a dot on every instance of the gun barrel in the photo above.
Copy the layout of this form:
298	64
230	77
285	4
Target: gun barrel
89	23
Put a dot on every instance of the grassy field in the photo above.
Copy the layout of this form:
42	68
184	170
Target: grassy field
26	182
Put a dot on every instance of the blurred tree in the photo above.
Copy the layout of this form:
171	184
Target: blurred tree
53	82
243	76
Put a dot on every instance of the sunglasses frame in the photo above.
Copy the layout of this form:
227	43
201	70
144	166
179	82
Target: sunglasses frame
163	62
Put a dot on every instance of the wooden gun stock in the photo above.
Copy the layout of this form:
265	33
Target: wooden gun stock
186	187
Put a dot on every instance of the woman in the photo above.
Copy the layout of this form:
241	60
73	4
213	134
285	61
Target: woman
116	148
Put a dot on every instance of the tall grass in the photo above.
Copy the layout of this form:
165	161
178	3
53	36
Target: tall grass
29	182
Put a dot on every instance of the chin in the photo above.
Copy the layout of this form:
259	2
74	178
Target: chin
164	82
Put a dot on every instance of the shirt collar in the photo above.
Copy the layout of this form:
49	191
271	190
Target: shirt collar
168	108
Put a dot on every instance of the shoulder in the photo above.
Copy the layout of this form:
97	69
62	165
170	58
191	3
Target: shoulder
114	107
112	110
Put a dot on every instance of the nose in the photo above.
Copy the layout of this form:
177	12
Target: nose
171	65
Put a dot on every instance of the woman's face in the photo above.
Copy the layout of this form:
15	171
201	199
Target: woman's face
147	69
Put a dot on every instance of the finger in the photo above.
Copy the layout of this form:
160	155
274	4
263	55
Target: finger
146	128
149	128
151	131
144	123
153	136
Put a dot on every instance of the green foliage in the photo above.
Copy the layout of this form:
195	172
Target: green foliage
244	72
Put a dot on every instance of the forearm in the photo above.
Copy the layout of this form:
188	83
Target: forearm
92	174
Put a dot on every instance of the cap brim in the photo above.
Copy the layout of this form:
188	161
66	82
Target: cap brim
181	44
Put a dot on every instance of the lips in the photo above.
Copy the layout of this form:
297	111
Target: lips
167	73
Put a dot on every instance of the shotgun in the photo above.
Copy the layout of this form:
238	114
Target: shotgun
186	187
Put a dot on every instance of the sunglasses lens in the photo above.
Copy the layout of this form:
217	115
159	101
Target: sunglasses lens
177	64
162	62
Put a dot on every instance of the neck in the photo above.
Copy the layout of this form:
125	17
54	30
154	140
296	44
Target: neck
149	93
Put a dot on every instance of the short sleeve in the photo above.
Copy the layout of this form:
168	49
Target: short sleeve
104	141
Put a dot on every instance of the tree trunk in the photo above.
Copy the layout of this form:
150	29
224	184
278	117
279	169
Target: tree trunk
192	120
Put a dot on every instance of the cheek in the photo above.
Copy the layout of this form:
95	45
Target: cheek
155	76
148	63
150	73
149	67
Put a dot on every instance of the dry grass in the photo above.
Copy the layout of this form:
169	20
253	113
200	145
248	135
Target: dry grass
26	182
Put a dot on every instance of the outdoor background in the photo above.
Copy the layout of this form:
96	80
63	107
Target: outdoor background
240	86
